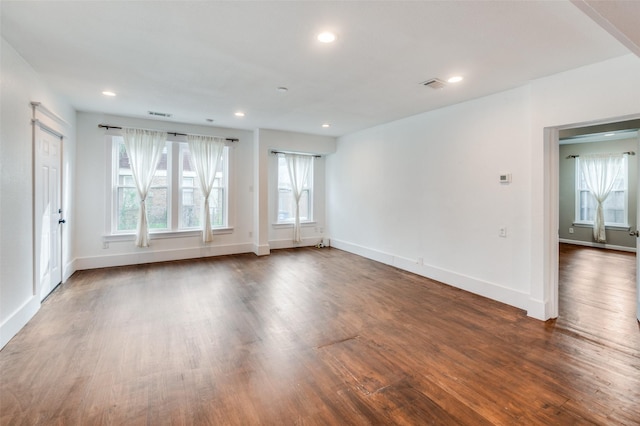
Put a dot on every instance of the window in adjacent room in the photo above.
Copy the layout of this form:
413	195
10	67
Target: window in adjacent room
615	206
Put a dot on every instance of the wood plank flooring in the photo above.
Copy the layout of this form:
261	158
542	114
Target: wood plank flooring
304	337
597	296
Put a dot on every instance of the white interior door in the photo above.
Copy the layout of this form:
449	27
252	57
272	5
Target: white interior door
638	239
47	210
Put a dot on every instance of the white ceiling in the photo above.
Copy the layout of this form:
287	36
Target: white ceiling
208	59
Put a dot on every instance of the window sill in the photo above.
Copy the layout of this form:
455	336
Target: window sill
279	225
611	227
165	235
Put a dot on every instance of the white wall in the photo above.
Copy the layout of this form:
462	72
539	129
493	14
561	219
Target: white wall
20	86
422	193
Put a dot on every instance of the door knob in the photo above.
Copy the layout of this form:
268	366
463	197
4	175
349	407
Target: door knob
635	234
62	221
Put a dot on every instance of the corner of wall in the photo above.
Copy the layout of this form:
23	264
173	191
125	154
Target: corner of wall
539	310
261	250
14	323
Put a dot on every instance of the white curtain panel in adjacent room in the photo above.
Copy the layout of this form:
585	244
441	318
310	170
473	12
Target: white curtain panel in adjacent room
600	172
206	156
144	148
298	167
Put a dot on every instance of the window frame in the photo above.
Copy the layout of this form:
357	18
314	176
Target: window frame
116	186
174	197
310	187
224	179
578	190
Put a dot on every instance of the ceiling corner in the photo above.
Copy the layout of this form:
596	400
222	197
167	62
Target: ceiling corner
618	18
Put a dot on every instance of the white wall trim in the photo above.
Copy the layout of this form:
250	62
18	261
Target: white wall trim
68	270
161	235
288	243
597	245
12	325
261	249
141	257
473	285
285	225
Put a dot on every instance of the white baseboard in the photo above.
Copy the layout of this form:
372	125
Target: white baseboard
261	250
160	256
597	245
473	285
288	243
539	310
12	325
68	270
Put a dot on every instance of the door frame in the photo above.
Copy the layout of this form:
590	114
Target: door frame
45	120
551	221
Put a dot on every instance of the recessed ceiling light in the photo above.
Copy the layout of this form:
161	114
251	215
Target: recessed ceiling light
108	93
282	89
609	134
455	79
239	114
326	37
210	120
325	125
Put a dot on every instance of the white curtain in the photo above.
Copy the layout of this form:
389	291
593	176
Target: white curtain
600	172
144	148
206	155
298	167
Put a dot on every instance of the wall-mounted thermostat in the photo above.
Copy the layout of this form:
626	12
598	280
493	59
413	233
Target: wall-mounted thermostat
505	177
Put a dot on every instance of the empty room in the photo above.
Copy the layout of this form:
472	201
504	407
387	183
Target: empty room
319	212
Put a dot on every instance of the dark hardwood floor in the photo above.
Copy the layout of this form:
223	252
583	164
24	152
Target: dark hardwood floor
306	336
597	296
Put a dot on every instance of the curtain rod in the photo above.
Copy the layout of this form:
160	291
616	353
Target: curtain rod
627	152
105	126
296	153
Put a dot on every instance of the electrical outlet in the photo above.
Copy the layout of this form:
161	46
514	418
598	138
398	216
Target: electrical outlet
571	230
503	232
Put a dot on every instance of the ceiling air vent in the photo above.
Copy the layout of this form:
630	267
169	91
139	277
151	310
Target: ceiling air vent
434	83
160	114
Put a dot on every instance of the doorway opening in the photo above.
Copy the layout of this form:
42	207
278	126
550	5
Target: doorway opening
596	291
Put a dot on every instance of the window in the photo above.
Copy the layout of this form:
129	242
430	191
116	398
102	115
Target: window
174	202
615	207
286	200
191	196
127	195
